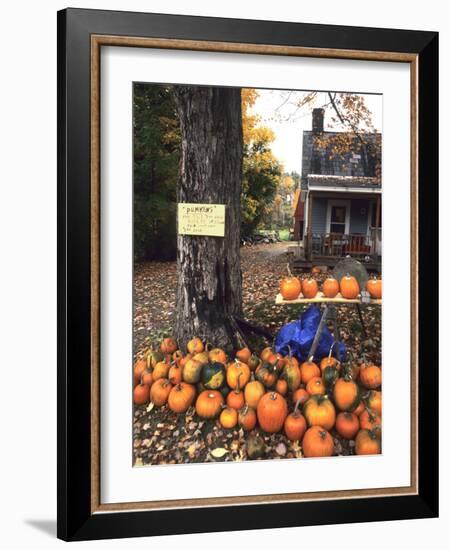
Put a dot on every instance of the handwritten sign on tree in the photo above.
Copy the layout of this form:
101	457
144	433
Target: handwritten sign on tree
201	219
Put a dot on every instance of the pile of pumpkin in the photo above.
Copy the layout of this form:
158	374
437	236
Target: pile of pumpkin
254	390
292	287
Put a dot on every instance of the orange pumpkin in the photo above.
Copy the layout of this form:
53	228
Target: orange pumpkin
309	288
168	346
290	287
329	361
374	288
177	356
253	392
266	374
181	397
347	425
349	287
265	353
319	411
369	420
295	424
272	411
317	442
315	270
217	355
201	357
159	392
141	394
316	386
153	357
228	418
160	370
346	394
175	374
300	395
185	359
330	287
209	404
360	408
247	418
370	376
276	360
192	371
281	386
236	399
238	371
309	370
195	346
291	373
374	402
367	443
139	367
253	362
244	355
147	378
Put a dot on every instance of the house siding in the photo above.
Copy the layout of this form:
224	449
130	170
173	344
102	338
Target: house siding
319	215
358	219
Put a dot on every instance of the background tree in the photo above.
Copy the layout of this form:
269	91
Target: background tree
348	115
261	169
156	149
209	287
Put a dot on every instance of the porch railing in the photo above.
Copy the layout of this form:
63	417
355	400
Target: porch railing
338	245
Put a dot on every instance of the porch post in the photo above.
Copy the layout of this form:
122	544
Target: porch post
308	251
377	226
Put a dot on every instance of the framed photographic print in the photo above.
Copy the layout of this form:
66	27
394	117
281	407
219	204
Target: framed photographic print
247	211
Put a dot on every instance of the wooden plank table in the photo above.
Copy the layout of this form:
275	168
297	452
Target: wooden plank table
329	310
321	299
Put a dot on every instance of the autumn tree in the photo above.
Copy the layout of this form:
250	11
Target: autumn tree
209	287
261	169
348	113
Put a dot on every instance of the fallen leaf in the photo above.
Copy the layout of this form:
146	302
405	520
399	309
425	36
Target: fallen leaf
219	452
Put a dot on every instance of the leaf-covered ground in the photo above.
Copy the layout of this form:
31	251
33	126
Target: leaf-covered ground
163	437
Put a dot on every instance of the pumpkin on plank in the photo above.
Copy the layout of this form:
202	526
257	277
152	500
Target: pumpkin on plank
290	286
349	287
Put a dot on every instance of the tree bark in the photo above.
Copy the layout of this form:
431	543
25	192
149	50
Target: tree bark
209	287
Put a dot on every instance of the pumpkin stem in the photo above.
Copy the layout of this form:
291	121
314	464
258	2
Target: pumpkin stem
297	405
273	396
289	270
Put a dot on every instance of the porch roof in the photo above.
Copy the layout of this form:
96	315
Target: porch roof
346	184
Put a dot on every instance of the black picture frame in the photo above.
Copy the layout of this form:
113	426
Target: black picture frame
75	519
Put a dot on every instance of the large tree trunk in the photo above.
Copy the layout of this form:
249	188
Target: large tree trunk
209	274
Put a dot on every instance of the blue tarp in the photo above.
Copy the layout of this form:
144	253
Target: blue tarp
299	336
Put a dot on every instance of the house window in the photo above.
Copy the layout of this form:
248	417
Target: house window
337	220
338	216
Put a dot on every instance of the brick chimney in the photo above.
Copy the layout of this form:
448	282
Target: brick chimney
317	120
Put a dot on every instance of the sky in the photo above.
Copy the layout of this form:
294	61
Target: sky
288	125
